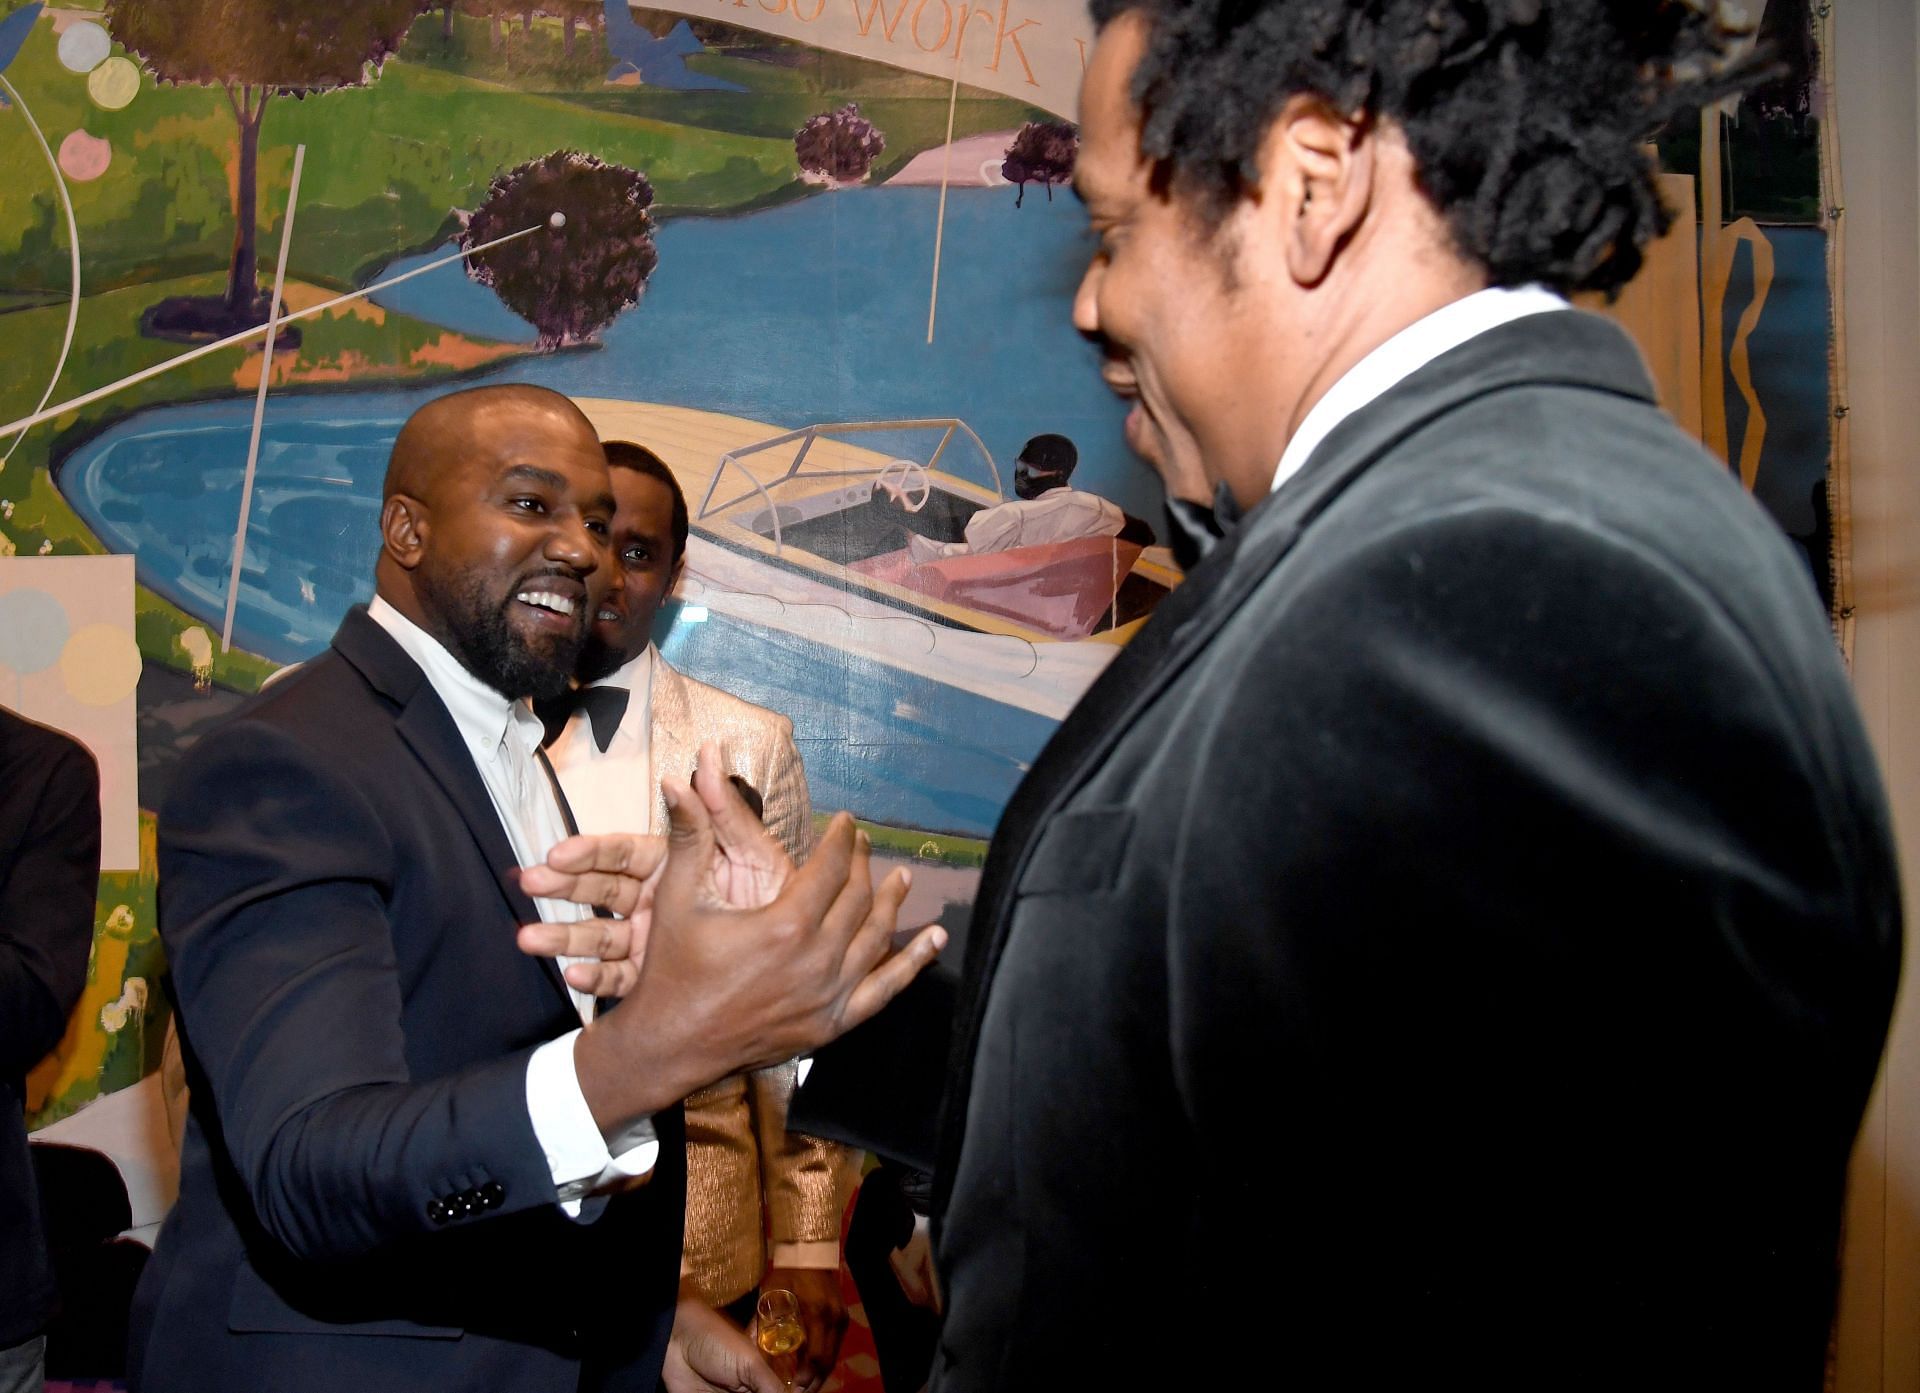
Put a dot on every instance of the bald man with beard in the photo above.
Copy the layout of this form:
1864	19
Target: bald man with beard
417	1158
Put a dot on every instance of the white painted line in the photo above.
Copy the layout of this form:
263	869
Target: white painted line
73	247
245	335
260	401
946	171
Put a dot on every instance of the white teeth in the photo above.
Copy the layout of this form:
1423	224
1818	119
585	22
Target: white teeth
546	599
607	616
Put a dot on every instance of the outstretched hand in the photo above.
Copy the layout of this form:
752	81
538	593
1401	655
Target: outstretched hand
727	957
619	872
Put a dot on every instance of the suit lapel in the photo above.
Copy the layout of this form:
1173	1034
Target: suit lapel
670	751
1562	348
429	731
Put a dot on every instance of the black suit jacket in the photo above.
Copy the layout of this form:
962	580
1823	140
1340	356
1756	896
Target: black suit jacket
363	1201
49	875
1452	943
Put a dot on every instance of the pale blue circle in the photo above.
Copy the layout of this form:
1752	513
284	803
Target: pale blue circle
84	47
33	630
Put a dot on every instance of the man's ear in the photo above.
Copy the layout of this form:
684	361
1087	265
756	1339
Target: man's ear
1317	172
404	525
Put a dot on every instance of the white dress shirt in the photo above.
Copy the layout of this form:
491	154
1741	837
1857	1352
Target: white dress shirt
612	790
503	738
1405	354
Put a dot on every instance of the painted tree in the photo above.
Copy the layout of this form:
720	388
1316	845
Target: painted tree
1041	153
570	281
838	147
572	14
255	50
495	12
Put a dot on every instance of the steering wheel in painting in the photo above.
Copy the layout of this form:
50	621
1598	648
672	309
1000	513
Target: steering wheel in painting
906	482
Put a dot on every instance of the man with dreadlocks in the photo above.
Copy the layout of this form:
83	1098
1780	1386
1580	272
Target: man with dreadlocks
1454	941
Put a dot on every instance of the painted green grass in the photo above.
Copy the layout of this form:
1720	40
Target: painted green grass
911	124
533	59
942	847
387	167
107	348
909	109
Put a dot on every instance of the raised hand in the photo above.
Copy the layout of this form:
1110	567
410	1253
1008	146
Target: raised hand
720	987
618	873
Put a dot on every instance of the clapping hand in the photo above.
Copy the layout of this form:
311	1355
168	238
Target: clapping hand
620	872
728	956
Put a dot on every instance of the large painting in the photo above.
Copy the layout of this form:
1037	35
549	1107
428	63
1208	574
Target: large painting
800	248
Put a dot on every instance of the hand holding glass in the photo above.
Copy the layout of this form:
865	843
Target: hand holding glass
779	1333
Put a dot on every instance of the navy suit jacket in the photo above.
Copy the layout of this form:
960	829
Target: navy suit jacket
49	875
363	1201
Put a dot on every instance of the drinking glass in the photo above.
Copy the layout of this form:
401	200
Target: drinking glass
779	1333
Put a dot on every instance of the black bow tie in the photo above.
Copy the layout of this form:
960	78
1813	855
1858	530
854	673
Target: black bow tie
606	707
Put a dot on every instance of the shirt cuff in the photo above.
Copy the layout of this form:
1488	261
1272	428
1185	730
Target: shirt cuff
823	1255
581	1161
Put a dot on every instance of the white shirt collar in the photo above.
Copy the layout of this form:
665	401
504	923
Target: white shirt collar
1405	354
636	674
482	715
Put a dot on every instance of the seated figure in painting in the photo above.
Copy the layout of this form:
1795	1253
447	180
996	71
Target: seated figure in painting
1047	509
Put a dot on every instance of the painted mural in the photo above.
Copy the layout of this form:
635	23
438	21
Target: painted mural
809	251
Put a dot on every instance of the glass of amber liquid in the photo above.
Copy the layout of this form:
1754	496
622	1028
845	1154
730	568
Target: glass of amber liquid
779	1333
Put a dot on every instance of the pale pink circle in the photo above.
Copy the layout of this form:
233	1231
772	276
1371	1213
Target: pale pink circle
84	157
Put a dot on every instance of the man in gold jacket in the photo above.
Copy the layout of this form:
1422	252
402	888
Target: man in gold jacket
763	1205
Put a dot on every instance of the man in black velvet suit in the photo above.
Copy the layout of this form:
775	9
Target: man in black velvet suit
1453	943
417	1158
49	873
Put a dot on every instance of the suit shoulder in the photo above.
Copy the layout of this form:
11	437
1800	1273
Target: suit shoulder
319	697
712	704
27	747
318	714
1571	474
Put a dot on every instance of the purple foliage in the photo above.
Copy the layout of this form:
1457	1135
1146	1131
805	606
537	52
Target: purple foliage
839	146
568	282
1042	153
290	49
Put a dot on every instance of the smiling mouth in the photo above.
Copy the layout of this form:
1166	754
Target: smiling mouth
554	603
607	616
546	599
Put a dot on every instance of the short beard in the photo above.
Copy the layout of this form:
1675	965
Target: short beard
597	660
478	634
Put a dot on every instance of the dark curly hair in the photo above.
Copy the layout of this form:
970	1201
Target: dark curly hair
1526	118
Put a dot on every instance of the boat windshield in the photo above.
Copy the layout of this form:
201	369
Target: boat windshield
814	485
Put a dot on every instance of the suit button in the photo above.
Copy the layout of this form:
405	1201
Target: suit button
438	1212
493	1194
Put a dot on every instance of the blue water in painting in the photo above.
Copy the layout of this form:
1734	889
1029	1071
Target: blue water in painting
817	311
890	745
811	312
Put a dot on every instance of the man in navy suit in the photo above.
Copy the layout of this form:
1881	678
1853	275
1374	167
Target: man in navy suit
417	1158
